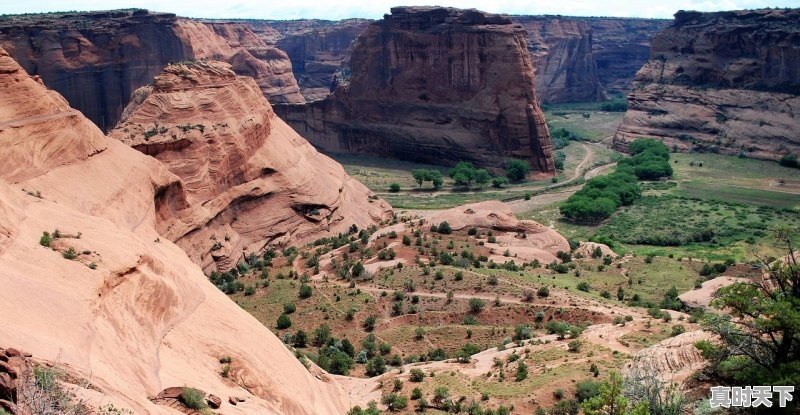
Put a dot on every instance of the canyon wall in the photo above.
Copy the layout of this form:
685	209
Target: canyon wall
251	181
620	46
434	84
109	299
97	59
725	82
561	53
319	50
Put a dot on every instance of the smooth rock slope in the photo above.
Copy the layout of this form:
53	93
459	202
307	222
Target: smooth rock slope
250	179
130	311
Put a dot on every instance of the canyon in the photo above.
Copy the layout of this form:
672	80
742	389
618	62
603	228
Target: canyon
725	82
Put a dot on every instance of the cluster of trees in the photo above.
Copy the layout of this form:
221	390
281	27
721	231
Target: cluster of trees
428	175
650	160
616	105
789	160
560	137
465	175
601	196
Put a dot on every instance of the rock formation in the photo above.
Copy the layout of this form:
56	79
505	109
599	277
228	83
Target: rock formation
434	84
108	297
319	50
97	59
248	55
620	46
561	53
726	82
251	180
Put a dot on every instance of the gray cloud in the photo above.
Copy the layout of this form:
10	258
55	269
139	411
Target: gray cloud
327	9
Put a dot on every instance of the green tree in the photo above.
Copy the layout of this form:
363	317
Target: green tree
760	332
517	170
499	182
284	322
482	177
611	401
463	173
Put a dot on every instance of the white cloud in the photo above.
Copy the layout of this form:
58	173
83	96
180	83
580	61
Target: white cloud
339	9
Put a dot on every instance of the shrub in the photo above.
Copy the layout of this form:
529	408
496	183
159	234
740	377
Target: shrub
444	228
789	160
369	323
250	290
522	371
416	375
419	333
376	366
193	399
70	253
416	393
678	329
394	187
289	308
584	286
45	240
476	305
587	389
499	182
574	345
284	322
305	291
516	170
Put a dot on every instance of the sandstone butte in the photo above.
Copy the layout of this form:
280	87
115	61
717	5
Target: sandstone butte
726	82
143	317
434	84
250	179
97	59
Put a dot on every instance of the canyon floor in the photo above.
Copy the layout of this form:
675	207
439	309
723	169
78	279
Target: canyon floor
421	303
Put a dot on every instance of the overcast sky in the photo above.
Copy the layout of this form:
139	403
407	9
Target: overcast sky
340	9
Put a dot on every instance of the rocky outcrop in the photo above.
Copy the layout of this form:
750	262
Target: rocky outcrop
251	180
248	55
97	59
434	84
620	46
130	311
725	82
561	53
319	50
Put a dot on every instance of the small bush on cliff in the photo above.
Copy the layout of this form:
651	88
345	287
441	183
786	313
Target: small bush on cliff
517	170
193	399
45	240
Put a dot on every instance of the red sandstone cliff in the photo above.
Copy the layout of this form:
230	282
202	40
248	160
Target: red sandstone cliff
726	82
250	179
97	59
436	85
130	312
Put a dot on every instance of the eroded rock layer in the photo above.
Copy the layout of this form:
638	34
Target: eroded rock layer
561	53
434	84
97	59
319	50
725	82
251	180
107	297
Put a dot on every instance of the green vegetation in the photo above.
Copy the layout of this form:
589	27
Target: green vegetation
517	170
284	322
760	344
193	399
394	187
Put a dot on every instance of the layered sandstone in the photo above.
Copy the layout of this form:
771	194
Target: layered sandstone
252	180
319	50
248	55
130	312
725	82
434	84
97	59
561	53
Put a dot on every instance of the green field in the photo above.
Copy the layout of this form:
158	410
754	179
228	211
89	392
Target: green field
715	207
597	127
